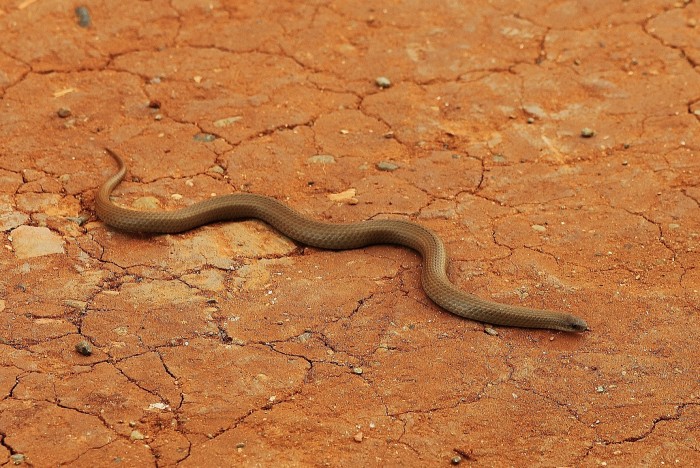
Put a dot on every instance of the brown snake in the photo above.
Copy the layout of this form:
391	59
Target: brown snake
332	236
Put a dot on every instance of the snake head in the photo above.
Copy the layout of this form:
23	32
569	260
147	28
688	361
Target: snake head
574	324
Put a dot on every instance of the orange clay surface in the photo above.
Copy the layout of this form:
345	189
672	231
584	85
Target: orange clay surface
553	145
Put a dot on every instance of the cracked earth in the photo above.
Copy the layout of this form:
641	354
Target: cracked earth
553	146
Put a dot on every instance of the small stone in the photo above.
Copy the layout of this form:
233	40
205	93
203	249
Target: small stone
600	389
347	196
625	163
387	166
530	120
587	132
132	423
74	304
64	112
321	159
158	406
205	137
240	445
456	460
84	347
538	228
79	220
674	226
83	14
17	458
154	104
535	111
490	331
358	437
357	370
383	82
304	337
136	435
228	121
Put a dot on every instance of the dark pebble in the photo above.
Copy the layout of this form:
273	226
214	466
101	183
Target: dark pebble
83	14
84	347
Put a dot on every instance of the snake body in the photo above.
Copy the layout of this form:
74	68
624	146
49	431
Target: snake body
332	236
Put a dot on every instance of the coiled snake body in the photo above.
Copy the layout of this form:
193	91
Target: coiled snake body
332	236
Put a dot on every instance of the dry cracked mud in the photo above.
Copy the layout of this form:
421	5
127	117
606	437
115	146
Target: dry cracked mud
553	145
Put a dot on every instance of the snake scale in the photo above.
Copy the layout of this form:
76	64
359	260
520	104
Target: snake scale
332	236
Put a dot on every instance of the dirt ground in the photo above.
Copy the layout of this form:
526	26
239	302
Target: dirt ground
553	145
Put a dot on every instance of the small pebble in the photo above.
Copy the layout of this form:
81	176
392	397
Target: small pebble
17	458
383	82
490	331
83	14
84	347
206	137
600	389
358	437
538	228
357	370
456	460
240	445
387	166
587	132
64	112
154	104
530	120
79	220
136	435
228	121
321	159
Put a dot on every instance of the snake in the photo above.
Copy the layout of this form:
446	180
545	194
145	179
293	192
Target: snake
332	236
